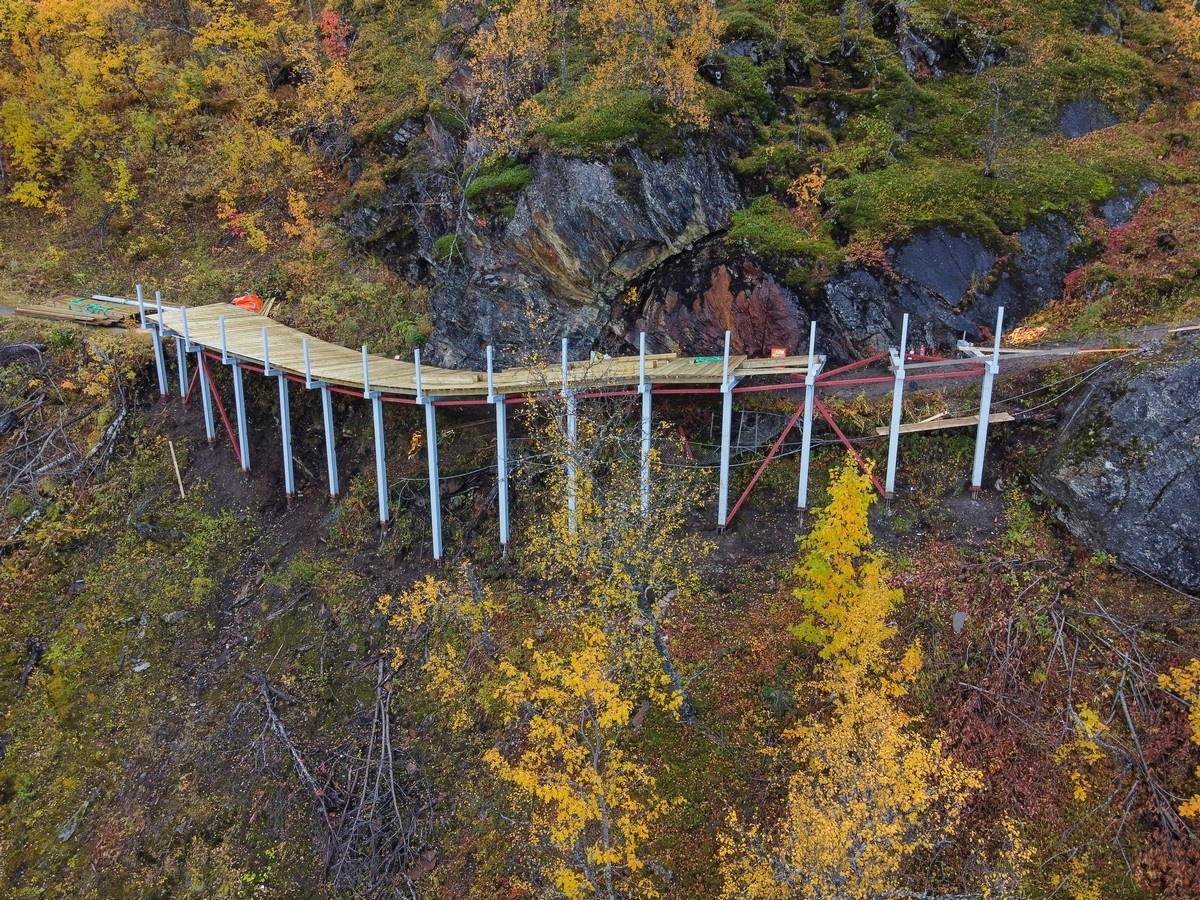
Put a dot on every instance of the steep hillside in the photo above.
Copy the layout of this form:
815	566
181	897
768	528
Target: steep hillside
393	171
209	691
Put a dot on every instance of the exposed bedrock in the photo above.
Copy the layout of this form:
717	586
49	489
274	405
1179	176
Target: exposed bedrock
580	233
688	303
951	284
598	251
1125	470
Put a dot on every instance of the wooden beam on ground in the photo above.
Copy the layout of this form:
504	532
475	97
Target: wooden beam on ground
939	424
84	310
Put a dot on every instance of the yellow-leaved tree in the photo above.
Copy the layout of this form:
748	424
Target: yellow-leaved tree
510	64
843	584
590	805
867	792
627	565
602	579
1186	683
656	45
651	45
443	629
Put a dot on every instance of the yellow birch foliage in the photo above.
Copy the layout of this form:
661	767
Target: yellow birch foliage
867	791
613	551
1186	683
510	64
591	805
625	569
1185	17
241	88
652	44
444	630
843	584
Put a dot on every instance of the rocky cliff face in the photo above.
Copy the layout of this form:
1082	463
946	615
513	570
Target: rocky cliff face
598	251
1125	471
579	235
689	302
951	284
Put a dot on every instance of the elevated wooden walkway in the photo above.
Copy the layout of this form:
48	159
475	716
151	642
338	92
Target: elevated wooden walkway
247	341
242	337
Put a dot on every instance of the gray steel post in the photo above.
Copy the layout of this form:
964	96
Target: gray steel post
285	427
990	370
239	398
726	428
160	362
330	449
501	449
285	416
572	435
206	397
380	452
183	348
810	384
645	388
160	358
897	408
327	415
431	447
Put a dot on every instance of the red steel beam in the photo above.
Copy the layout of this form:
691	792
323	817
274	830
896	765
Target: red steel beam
824	376
762	468
212	389
862	463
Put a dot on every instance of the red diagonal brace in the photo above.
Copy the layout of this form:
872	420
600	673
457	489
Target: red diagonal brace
762	468
862	463
212	389
191	387
829	373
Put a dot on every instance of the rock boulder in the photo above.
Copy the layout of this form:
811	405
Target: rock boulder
1125	471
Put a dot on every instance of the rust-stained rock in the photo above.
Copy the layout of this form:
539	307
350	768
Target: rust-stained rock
690	302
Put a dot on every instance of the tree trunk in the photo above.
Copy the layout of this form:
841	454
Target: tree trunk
687	711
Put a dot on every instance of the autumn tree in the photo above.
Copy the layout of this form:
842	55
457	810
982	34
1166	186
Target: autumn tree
444	643
867	793
627	565
510	64
99	91
1186	683
590	804
655	45
844	585
603	579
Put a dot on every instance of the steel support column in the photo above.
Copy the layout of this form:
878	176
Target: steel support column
183	346
210	428
501	449
889	485
239	399
327	415
380	451
990	371
431	446
285	418
572	436
160	362
727	385
646	391
810	390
